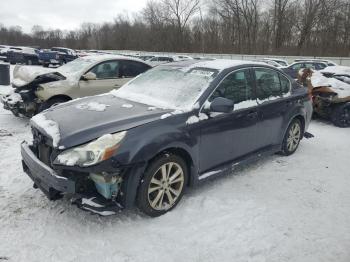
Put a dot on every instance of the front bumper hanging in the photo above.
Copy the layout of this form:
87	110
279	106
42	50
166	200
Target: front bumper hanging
43	176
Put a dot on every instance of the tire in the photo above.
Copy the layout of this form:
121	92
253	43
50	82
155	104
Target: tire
155	195
341	115
46	65
292	138
51	102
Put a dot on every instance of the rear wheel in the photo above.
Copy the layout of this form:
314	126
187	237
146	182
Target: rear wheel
341	115
52	102
163	185
292	138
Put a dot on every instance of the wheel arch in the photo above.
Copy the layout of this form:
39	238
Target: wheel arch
185	155
298	116
61	96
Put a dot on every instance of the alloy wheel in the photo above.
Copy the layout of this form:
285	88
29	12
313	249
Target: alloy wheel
294	136
166	186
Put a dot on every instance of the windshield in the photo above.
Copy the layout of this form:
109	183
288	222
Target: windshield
168	87
76	65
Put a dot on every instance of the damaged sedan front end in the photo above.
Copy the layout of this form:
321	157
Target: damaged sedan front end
23	101
90	166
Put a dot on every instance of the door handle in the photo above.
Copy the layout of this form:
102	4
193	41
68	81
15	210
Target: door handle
117	85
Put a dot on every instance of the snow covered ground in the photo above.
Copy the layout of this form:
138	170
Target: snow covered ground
279	209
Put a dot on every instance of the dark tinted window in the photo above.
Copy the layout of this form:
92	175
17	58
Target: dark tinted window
285	84
237	87
310	65
320	66
268	84
132	68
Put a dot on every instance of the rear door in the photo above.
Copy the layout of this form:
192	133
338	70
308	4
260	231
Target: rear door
228	136
273	96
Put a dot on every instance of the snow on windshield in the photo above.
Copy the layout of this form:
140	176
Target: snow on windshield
75	66
173	88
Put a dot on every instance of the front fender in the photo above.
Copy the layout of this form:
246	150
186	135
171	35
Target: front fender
143	143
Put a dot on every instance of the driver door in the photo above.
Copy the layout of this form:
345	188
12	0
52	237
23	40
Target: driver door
107	79
229	136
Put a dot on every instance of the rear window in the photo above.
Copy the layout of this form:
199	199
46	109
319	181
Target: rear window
271	84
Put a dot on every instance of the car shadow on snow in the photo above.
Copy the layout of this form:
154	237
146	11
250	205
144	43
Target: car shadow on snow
36	204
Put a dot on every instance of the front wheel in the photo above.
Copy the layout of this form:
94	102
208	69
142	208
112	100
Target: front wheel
292	138
163	185
341	115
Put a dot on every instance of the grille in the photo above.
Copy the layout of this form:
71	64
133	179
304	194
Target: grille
44	152
42	149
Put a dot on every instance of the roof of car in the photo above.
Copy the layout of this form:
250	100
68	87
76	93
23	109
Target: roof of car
218	64
309	61
104	57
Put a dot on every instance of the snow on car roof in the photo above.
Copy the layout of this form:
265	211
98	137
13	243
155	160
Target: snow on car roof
103	57
218	64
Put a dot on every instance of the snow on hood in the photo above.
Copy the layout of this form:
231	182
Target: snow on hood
50	127
341	88
93	106
23	75
339	70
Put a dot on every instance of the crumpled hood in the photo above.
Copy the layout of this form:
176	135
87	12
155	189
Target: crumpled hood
82	120
25	75
339	87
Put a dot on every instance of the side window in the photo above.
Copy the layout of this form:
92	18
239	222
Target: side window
285	84
106	70
320	66
131	68
310	65
297	66
237	87
268	84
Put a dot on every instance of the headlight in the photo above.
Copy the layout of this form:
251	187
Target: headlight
91	153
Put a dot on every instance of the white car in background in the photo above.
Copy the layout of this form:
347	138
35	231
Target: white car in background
182	57
327	62
38	88
159	60
282	62
271	62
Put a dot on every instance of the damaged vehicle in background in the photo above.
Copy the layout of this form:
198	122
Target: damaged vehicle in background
172	127
37	88
57	56
330	95
23	55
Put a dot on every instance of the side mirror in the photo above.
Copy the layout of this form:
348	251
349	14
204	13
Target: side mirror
89	76
221	105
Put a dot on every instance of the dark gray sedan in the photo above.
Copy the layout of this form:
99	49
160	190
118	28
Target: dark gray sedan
170	128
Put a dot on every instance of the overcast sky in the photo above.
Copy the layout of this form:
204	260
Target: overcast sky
63	14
